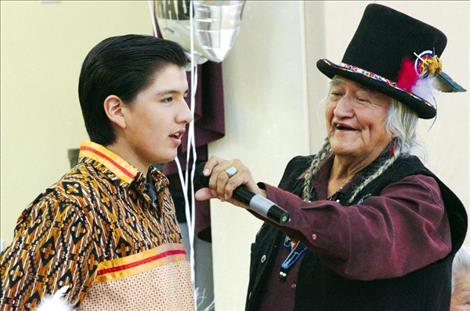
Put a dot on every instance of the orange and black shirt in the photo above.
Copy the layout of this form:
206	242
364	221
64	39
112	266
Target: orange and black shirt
106	231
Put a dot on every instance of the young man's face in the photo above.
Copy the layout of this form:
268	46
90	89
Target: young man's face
157	117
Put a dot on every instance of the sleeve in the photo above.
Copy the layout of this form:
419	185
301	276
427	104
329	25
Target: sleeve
401	230
52	248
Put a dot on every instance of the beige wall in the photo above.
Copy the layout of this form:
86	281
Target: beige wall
272	89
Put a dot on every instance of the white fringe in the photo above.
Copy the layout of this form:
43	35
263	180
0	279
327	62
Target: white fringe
55	302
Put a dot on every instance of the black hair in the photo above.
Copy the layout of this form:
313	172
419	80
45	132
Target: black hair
121	66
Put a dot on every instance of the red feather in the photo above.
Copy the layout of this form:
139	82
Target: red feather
407	75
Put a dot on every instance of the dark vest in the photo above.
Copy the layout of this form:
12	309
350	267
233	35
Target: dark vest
319	288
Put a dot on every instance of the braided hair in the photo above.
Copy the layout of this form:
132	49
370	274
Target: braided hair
313	168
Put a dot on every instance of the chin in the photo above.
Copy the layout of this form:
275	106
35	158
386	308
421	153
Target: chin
166	159
163	160
342	153
341	149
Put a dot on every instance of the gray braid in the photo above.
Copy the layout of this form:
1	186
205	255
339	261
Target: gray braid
313	168
376	174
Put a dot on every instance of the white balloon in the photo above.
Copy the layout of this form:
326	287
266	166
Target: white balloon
216	25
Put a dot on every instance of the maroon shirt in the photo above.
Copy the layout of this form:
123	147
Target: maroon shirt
386	236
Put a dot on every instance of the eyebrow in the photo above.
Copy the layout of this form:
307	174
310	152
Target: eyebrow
335	82
170	92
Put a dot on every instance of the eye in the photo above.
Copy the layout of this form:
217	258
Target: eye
336	93
168	99
362	100
362	97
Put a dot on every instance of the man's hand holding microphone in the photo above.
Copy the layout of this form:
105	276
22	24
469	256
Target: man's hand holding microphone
231	181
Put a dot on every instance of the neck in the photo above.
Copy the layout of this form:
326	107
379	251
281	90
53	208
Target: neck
344	169
124	151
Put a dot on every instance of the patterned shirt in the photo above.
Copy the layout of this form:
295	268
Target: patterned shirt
106	231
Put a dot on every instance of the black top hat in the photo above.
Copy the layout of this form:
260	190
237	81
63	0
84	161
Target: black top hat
386	45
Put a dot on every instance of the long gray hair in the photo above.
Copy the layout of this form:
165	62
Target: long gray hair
401	123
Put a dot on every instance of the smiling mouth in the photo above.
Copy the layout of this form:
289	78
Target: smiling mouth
343	127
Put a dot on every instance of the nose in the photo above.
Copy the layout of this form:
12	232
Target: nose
344	107
184	115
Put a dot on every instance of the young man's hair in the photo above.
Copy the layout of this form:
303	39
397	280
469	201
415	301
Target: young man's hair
121	66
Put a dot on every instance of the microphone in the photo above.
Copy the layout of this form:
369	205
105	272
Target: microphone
256	202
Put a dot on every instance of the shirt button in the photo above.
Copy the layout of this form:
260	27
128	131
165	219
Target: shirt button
314	236
293	285
263	258
249	295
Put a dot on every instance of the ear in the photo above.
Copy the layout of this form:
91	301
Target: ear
113	107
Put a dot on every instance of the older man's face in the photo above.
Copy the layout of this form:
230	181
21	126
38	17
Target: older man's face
356	120
461	294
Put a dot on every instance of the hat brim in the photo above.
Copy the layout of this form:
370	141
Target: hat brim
422	108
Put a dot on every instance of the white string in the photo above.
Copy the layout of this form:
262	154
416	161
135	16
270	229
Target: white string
193	146
191	142
151	4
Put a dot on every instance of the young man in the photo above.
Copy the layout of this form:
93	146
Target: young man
107	229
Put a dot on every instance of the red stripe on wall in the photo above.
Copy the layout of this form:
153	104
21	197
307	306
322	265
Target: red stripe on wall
141	262
109	159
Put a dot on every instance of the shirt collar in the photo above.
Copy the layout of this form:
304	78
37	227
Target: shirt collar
156	181
114	163
121	170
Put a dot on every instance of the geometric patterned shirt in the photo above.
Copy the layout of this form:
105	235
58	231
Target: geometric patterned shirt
106	231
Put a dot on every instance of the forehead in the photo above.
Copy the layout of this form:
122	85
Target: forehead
169	78
379	98
340	81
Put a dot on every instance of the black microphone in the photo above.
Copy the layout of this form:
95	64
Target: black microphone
256	202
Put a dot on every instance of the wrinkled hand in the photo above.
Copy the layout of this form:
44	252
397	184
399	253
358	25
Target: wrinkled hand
221	185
